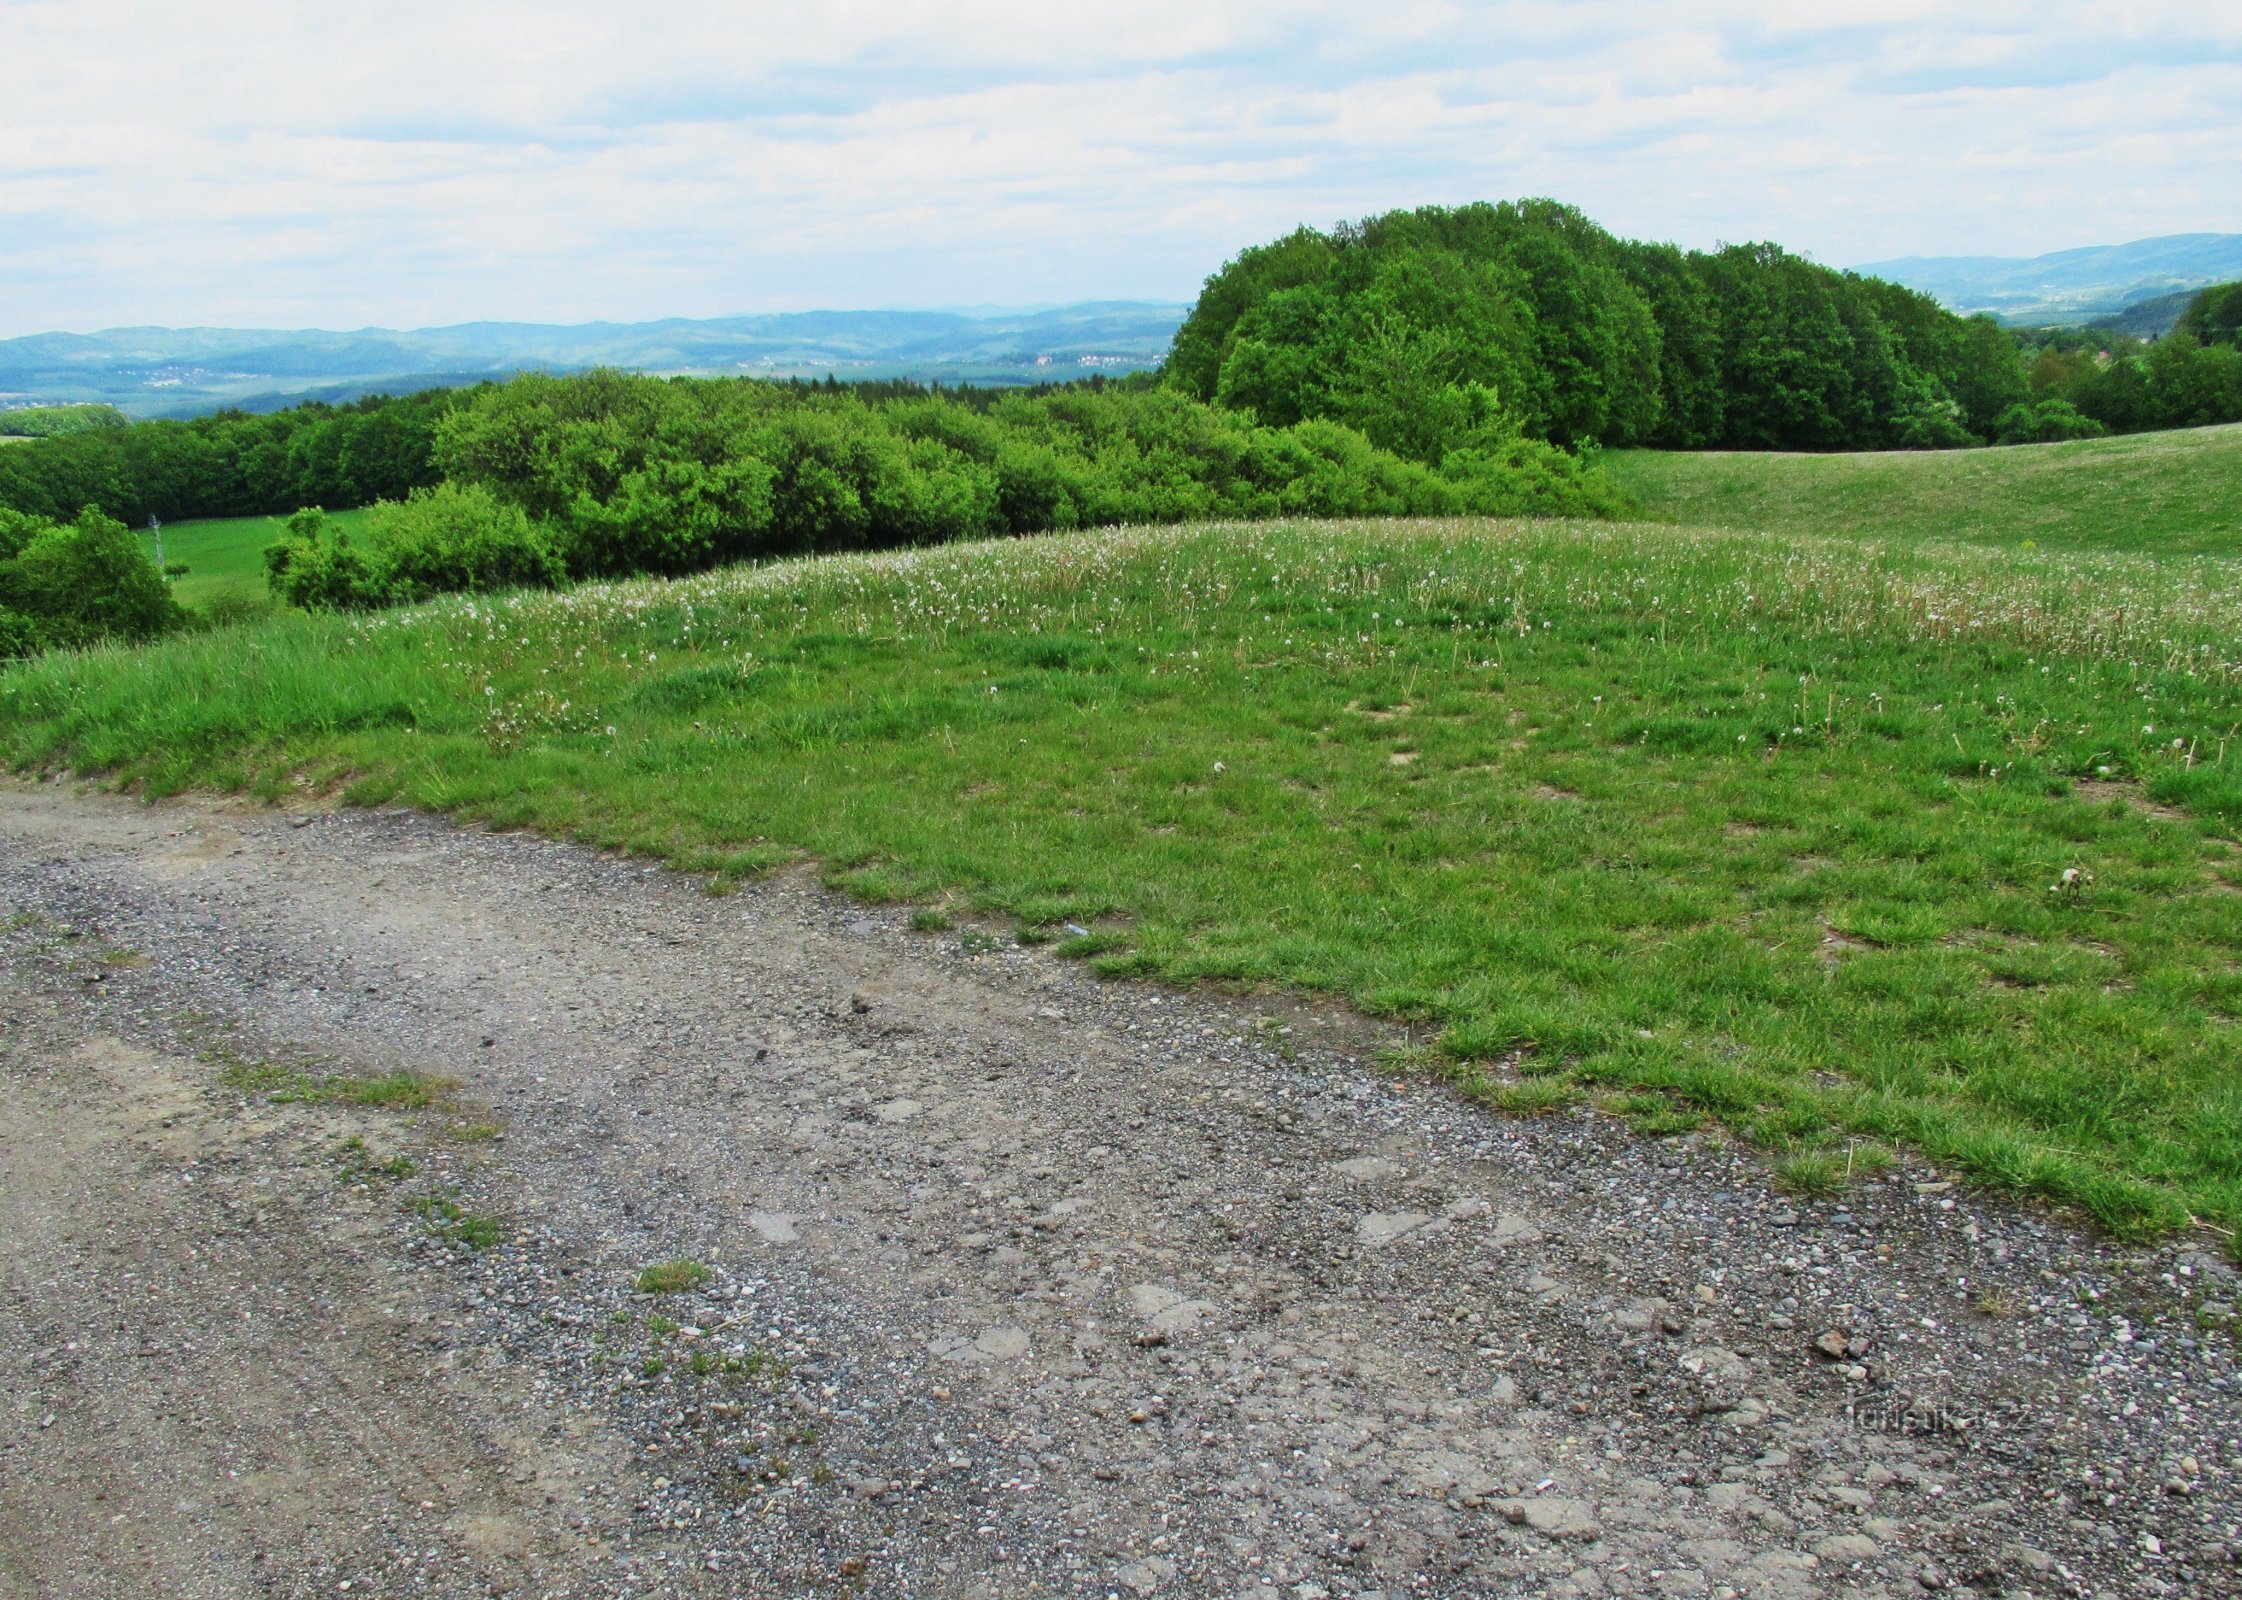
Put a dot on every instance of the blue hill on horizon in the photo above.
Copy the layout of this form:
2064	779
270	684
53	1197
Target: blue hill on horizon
2070	285
176	371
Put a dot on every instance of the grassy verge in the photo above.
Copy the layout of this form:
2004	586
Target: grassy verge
2178	493
1829	842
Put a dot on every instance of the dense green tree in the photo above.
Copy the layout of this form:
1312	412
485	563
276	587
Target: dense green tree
1404	324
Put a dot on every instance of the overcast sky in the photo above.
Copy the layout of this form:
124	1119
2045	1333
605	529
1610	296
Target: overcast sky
337	165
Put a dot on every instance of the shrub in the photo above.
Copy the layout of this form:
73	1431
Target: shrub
80	583
19	635
461	536
313	564
2045	422
436	541
661	476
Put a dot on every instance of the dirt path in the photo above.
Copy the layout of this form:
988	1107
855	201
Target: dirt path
1023	1285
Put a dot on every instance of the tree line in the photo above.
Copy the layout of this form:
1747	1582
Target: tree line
2085	381
49	422
232	464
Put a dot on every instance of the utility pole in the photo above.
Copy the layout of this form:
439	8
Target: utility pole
155	526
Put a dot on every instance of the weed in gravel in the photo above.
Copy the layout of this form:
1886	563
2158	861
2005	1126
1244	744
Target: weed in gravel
672	1277
472	1132
285	1085
976	943
360	1164
1655	1116
448	1220
928	920
651	1367
405	1090
1820	1172
659	1326
1810	1173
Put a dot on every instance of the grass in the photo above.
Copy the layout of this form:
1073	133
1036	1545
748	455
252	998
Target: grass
1707	826
284	1085
672	1277
453	1223
2177	493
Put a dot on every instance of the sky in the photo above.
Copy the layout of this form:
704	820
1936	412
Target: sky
239	163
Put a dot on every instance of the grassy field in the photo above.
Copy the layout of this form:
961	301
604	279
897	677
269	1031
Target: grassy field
225	555
1830	842
2176	493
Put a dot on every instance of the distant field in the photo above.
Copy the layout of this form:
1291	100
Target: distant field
2177	493
225	554
1929	845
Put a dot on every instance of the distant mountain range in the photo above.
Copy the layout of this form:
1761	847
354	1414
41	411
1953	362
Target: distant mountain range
2074	286
180	371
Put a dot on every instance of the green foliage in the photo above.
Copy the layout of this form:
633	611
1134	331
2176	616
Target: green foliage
2183	380
19	635
1423	328
317	566
646	475
444	540
77	583
53	422
2212	317
2049	421
231	464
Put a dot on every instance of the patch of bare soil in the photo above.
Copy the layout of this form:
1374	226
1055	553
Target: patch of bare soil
1019	1284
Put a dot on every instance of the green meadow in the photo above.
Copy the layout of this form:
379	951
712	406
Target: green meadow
225	556
1846	843
2174	493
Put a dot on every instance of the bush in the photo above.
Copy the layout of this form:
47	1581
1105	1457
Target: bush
313	564
79	583
437	541
19	636
648	475
2045	422
456	537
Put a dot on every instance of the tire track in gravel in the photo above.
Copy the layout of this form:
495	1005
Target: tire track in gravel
1023	1284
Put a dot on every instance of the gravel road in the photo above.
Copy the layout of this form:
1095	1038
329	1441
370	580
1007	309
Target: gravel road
1019	1283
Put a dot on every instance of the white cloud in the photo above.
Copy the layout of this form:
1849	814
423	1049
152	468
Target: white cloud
290	164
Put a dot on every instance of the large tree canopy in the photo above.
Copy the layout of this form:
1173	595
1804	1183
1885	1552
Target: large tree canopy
1433	330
